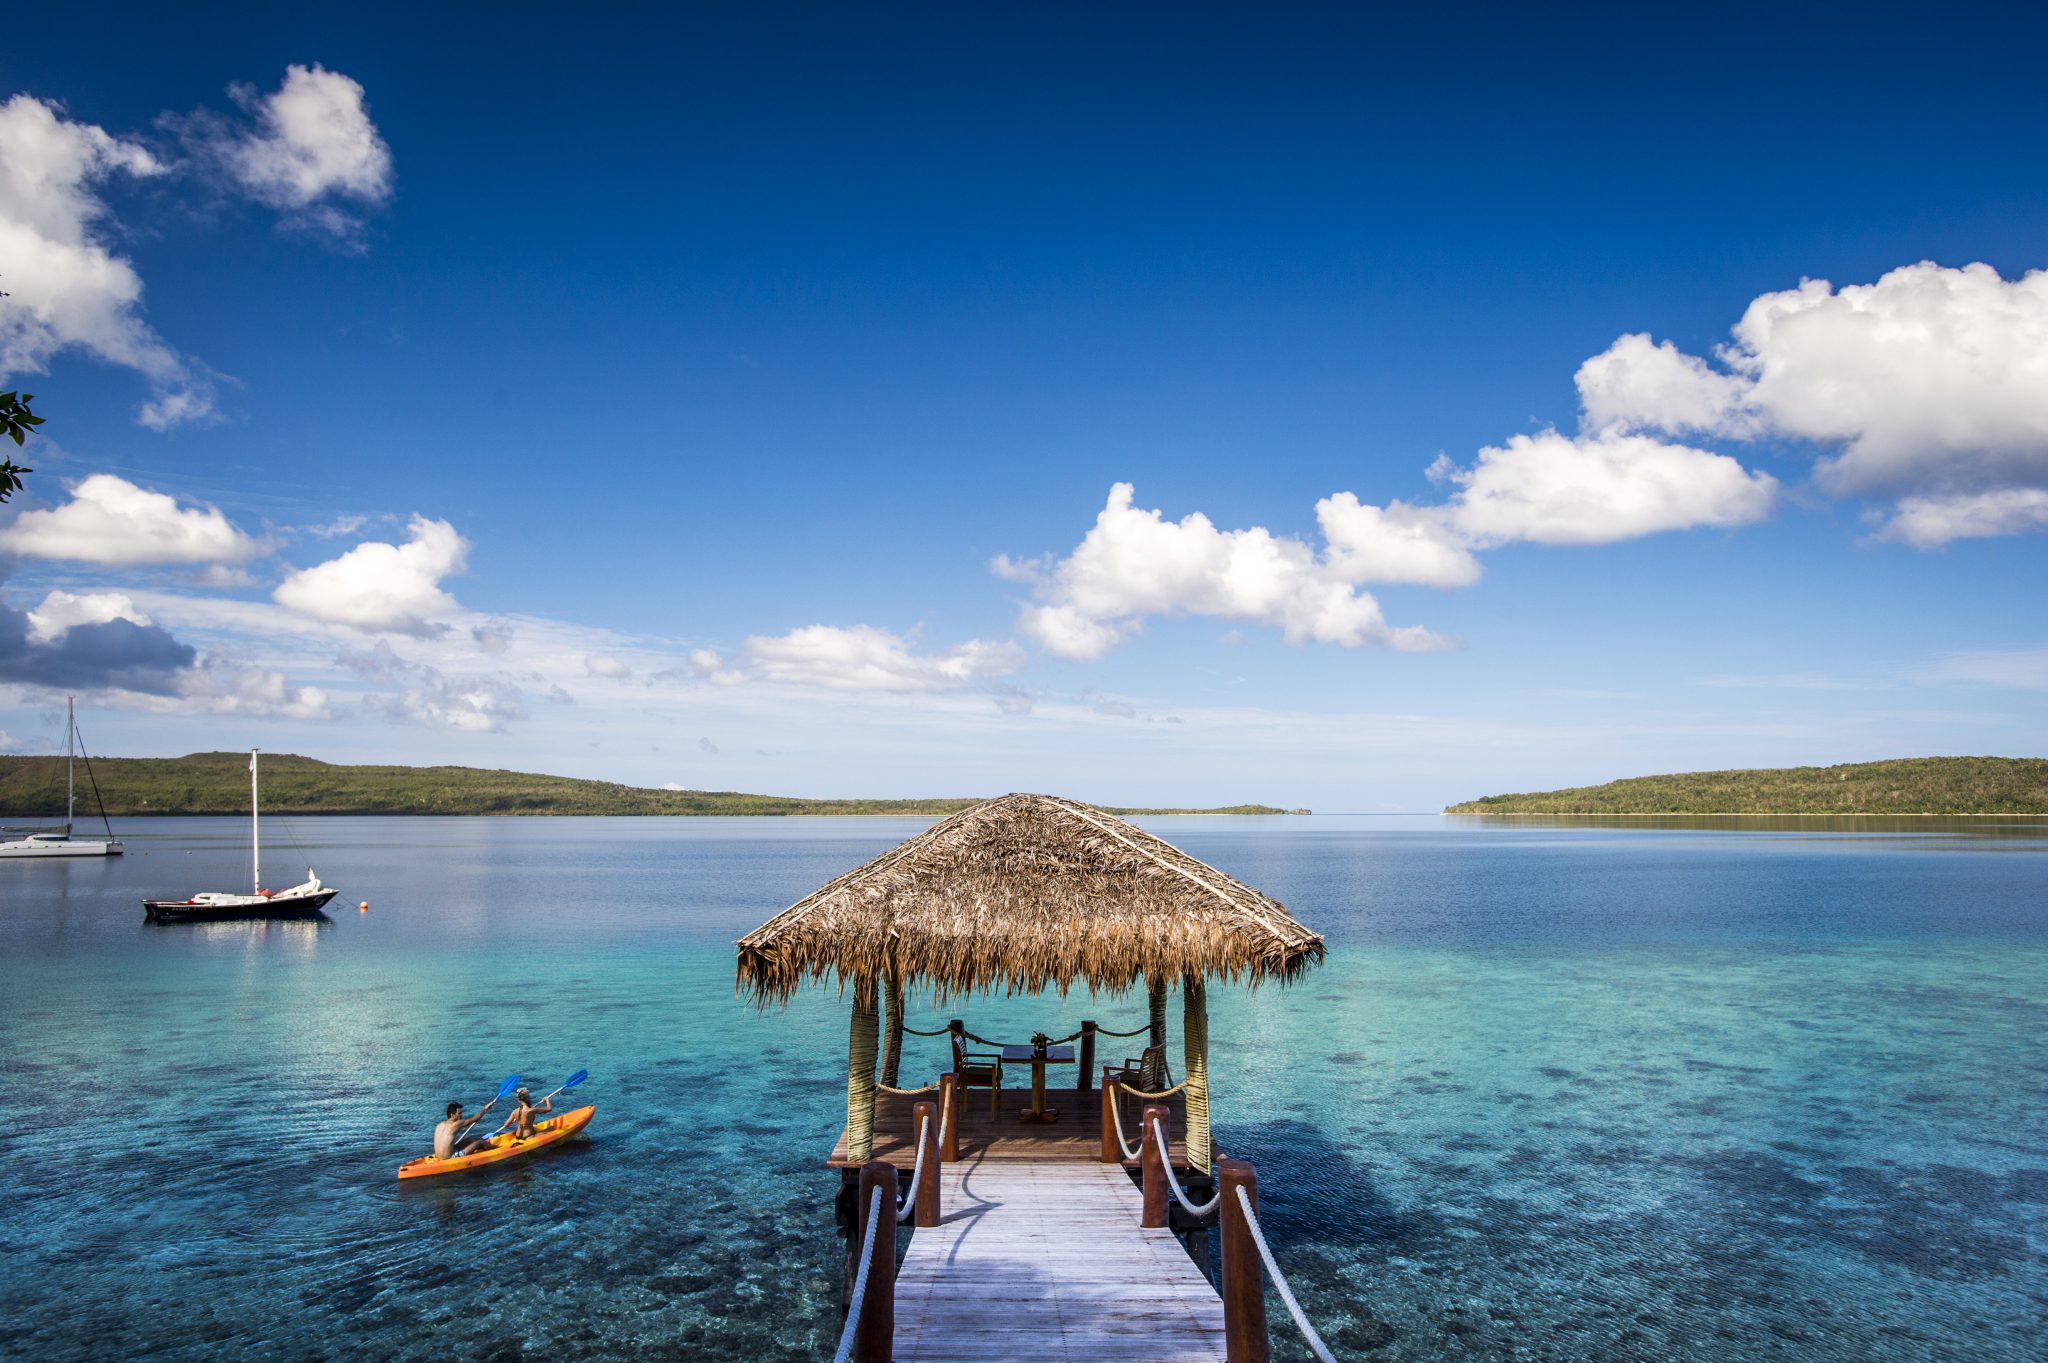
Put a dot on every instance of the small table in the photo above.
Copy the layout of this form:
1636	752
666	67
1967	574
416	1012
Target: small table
1053	1055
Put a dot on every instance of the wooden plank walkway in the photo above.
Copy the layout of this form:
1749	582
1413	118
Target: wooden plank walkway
1048	1261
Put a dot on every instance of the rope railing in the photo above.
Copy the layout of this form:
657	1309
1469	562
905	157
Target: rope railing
908	1208
860	1280
1141	1093
937	1031
1056	1041
1173	1183
1308	1331
905	1093
1116	1114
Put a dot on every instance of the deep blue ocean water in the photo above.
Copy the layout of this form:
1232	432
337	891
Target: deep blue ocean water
1734	1093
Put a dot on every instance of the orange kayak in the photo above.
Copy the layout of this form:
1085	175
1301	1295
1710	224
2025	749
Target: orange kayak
502	1147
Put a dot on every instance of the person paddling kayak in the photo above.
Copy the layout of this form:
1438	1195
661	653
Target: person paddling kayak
444	1135
524	1110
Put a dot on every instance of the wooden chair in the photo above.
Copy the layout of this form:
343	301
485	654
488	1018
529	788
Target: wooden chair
977	1069
1135	1071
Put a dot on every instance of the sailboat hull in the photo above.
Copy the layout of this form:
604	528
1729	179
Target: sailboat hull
219	908
60	847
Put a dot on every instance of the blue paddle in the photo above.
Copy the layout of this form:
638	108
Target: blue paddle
571	1082
511	1083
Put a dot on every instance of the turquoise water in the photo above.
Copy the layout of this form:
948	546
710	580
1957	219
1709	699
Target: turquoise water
1558	1093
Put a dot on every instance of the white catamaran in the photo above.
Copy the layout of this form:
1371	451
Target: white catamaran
55	844
300	901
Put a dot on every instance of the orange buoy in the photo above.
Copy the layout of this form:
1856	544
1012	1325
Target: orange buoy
363	907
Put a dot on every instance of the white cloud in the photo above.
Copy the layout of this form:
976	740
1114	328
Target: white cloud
69	291
1545	489
62	610
111	521
859	658
315	144
1637	382
1927	522
1394	543
224	688
468	704
336	528
1930	385
604	665
375	586
1135	563
1555	489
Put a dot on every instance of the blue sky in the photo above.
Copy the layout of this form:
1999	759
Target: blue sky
729	399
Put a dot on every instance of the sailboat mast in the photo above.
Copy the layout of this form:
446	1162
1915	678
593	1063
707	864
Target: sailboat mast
70	757
255	833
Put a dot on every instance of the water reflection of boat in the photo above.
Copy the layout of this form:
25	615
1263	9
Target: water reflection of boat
249	930
300	901
49	842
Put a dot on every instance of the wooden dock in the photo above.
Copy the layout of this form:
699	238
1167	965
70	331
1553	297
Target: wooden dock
1047	1260
1005	1136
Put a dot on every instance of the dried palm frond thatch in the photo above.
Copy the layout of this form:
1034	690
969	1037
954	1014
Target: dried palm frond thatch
1024	893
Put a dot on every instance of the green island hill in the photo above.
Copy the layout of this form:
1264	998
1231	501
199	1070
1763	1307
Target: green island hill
1907	785
218	783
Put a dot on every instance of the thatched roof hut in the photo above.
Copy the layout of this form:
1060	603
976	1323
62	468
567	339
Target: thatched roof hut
1021	894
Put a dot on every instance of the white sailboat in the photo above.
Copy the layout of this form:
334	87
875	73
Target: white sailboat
52	843
300	901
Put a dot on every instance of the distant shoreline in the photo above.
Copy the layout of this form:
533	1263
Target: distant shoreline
217	783
1739	814
1904	787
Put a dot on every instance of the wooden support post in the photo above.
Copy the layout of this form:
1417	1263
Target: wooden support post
1244	1279
1156	1172
874	1338
1112	1149
1085	1071
924	1117
949	1109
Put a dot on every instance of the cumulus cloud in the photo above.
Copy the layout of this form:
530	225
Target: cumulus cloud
91	655
100	642
111	521
604	665
1544	489
1928	522
69	290
1929	386
379	587
223	687
1555	489
856	658
468	704
61	611
311	150
1135	563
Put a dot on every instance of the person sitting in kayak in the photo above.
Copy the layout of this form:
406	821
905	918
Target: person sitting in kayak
444	1136
523	1113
